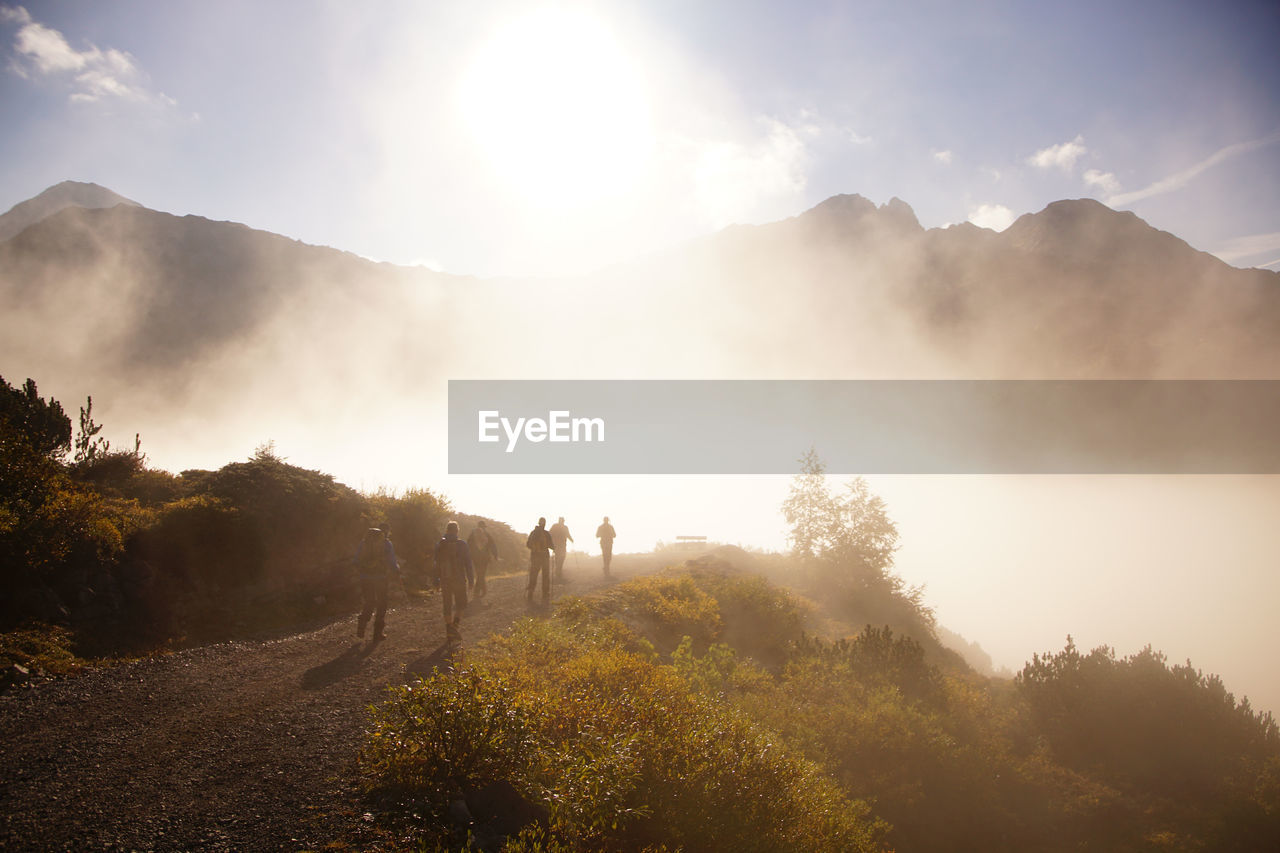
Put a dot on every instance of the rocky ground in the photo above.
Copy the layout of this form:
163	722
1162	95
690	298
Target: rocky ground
237	746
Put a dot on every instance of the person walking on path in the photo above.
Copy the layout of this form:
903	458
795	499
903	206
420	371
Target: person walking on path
376	559
606	534
560	537
483	549
539	544
454	573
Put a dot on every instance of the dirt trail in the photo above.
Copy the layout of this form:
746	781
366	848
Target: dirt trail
236	746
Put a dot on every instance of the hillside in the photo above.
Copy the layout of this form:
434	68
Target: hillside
159	309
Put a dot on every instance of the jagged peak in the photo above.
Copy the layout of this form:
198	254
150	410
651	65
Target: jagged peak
854	209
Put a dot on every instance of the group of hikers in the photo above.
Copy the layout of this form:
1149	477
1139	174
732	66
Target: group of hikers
459	566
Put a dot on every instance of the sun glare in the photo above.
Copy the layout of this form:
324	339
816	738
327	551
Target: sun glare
558	109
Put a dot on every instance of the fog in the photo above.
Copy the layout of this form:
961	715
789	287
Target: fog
211	340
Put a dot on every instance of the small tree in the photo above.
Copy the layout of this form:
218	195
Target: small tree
846	543
854	528
89	445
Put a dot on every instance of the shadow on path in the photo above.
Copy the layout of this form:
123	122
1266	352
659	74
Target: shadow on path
344	665
443	658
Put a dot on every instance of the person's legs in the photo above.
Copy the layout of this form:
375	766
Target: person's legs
459	599
482	568
368	595
382	587
446	600
560	555
533	576
539	563
606	551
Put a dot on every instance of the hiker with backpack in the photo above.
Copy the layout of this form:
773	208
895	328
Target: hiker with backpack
376	559
606	534
560	538
454	573
483	548
539	544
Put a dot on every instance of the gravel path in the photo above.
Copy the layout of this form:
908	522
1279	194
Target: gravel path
237	746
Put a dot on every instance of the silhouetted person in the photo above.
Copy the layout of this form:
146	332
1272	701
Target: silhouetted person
376	559
454	572
539	544
606	534
560	537
483	549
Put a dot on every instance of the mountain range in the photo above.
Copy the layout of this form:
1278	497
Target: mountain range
174	314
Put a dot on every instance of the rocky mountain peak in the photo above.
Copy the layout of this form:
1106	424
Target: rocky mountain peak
56	198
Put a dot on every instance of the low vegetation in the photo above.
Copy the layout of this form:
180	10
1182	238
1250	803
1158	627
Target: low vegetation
627	722
102	554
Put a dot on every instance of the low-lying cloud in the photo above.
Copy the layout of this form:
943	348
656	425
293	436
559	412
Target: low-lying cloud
997	217
1061	156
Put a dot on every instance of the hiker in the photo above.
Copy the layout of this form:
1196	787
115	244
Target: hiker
606	534
560	537
539	544
376	559
483	548
454	573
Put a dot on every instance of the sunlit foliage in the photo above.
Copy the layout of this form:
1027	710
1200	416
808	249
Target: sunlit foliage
633	735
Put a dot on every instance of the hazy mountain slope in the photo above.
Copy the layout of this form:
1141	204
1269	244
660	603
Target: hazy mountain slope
1077	290
181	321
52	200
167	312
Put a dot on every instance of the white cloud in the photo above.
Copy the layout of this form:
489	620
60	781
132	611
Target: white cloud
855	137
1246	247
943	157
997	217
1180	179
91	74
1061	156
1106	182
739	181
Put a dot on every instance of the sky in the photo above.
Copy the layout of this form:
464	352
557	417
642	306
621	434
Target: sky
551	139
538	139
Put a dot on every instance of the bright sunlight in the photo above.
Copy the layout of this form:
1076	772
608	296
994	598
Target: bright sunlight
558	108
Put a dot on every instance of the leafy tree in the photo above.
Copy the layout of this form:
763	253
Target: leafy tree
847	542
853	528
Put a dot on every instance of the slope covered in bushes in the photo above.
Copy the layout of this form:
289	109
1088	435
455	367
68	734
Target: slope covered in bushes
689	710
126	556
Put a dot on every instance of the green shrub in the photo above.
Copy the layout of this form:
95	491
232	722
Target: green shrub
448	731
624	755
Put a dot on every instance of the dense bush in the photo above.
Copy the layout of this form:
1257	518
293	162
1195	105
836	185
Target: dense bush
1171	736
627	755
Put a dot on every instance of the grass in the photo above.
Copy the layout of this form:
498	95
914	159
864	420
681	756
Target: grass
42	648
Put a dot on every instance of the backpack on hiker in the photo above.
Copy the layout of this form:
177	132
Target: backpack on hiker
450	566
373	553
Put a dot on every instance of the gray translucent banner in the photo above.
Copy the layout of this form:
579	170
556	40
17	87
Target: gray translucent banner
864	427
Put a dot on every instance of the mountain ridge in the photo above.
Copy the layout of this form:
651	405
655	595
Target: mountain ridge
186	317
54	199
